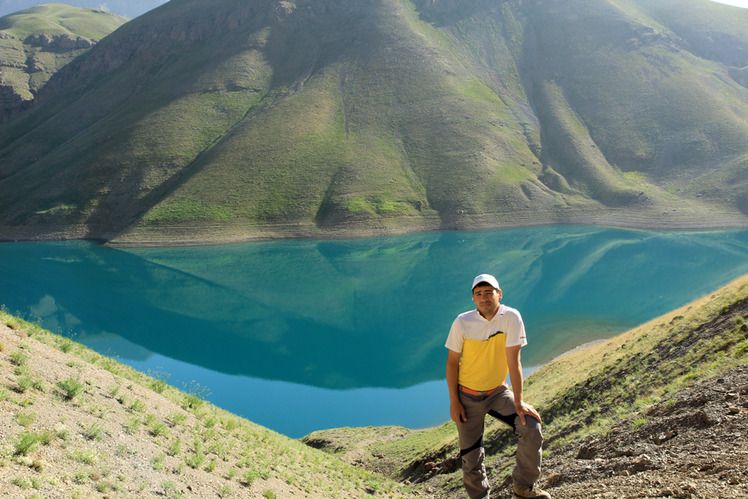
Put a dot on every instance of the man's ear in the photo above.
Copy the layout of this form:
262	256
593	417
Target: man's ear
500	295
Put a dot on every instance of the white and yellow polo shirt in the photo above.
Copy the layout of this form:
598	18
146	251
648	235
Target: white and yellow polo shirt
483	344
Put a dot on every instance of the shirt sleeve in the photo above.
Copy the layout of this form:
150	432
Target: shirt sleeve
456	337
515	334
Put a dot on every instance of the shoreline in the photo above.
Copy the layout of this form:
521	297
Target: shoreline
234	233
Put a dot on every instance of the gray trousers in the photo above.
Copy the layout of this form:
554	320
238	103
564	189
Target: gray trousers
500	405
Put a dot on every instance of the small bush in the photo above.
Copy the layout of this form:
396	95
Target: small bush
19	359
93	432
85	456
24	384
158	462
66	346
196	460
138	406
13	323
159	429
176	418
175	448
71	388
132	426
158	383
27	442
25	419
21	482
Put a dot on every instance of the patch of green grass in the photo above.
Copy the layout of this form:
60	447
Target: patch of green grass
132	425
71	388
158	462
159	429
85	456
176	418
66	346
93	432
184	210
26	443
19	359
171	489
159	382
195	460
638	423
194	397
175	447
138	406
25	419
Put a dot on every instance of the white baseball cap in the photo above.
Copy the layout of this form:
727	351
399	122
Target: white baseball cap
488	279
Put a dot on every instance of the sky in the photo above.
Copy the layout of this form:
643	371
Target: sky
134	8
736	3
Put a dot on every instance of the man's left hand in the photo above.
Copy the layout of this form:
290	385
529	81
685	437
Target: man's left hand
526	409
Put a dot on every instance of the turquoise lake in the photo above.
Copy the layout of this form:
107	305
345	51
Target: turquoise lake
304	335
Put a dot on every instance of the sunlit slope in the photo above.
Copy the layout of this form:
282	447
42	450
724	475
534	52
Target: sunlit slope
623	96
37	42
230	120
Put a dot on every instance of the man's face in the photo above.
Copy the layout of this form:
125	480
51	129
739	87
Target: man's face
486	298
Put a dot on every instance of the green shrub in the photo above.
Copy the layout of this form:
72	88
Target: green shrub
85	456
27	442
138	406
24	384
66	346
19	359
176	418
71	388
25	419
175	448
195	460
159	429
158	383
93	432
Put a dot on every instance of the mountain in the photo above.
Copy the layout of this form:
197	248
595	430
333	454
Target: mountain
127	8
36	43
232	120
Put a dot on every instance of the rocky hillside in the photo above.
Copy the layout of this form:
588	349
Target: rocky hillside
36	43
208	120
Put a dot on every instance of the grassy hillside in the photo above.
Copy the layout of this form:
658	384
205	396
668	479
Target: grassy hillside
216	121
76	423
37	42
128	8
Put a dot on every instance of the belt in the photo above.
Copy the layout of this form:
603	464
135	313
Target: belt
477	393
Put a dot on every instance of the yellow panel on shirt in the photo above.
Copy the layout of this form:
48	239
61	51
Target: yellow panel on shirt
483	363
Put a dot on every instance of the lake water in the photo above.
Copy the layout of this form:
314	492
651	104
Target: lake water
311	334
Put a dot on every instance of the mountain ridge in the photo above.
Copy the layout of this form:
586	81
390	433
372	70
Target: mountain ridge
37	42
280	119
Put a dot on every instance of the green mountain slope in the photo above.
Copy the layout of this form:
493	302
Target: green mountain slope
37	42
233	120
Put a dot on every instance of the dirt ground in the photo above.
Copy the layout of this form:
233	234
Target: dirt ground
693	447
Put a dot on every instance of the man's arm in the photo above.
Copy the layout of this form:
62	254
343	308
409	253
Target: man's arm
515	376
456	410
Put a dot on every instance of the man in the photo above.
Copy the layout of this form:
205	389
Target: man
484	345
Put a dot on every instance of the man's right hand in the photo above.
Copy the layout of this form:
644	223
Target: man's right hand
457	412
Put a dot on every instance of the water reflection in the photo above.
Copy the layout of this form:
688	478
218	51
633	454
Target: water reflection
358	313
